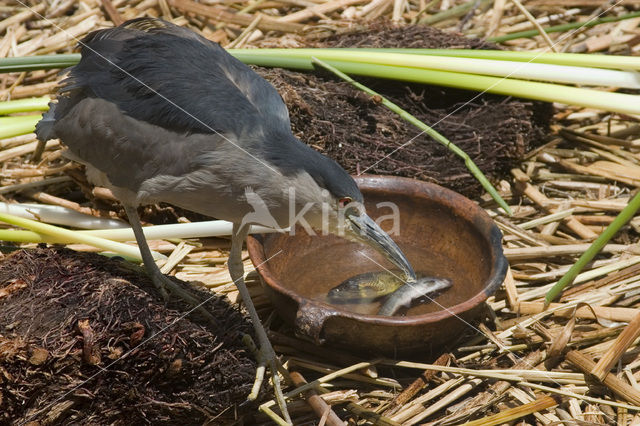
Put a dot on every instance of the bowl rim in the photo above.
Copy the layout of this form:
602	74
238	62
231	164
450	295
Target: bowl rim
412	187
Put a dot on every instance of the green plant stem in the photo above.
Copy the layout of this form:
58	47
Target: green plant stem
18	236
625	216
471	166
616	102
67	235
563	27
592	60
24	105
19	125
42	62
523	70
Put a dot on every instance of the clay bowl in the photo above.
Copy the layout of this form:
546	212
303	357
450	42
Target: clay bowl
441	232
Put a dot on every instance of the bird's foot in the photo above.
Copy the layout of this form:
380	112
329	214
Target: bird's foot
266	356
164	283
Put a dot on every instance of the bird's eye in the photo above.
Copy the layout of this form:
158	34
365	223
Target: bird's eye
344	201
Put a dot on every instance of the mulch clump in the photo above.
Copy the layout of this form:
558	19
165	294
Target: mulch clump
364	136
81	343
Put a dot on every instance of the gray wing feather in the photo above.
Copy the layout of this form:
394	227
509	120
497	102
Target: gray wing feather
169	76
126	150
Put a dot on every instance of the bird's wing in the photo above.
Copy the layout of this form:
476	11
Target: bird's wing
171	77
130	151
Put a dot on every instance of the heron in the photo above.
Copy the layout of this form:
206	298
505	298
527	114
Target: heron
158	113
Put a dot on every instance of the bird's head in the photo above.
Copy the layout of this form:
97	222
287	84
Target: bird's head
342	209
355	224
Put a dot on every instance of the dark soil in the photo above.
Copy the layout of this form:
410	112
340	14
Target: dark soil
365	137
82	341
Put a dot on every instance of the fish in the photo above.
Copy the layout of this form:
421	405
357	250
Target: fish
407	294
366	288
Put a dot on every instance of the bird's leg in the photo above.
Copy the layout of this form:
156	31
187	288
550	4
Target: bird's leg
161	282
236	270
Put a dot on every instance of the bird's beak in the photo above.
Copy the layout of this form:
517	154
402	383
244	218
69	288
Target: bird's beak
365	230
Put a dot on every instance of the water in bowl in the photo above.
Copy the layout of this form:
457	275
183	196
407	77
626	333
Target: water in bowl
315	273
